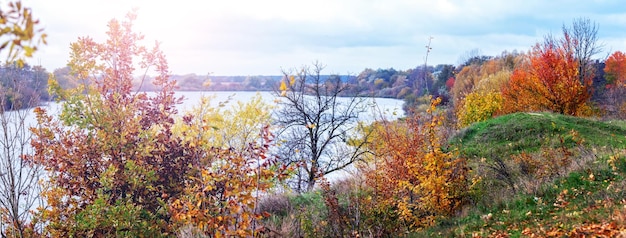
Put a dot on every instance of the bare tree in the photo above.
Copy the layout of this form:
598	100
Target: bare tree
19	188
18	180
315	123
584	43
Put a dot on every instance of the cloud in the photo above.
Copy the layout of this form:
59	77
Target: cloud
260	37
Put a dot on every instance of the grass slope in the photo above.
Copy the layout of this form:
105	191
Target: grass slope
584	202
590	201
514	133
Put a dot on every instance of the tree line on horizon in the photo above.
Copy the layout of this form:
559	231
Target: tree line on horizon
409	85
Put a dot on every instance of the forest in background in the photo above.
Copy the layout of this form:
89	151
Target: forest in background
409	85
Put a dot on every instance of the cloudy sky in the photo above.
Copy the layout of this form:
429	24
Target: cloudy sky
252	37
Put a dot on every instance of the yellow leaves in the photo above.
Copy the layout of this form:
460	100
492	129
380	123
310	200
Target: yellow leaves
478	107
18	29
234	127
207	83
283	85
221	196
412	171
220	200
614	161
292	80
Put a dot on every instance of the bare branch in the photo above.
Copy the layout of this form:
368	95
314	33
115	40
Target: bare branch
315	119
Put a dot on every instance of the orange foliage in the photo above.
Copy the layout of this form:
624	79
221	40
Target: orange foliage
110	156
615	68
470	76
465	81
118	166
220	201
411	175
549	82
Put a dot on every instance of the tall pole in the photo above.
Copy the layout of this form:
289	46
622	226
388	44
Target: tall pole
428	48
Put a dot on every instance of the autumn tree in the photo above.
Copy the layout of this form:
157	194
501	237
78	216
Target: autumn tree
235	168
235	124
111	160
412	174
479	68
548	81
476	89
479	106
615	69
465	80
19	192
123	163
315	123
615	88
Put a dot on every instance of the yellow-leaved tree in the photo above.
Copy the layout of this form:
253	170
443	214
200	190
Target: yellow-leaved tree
235	168
479	106
477	88
230	128
414	180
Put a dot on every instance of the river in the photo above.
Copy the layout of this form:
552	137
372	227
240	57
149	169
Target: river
388	108
378	108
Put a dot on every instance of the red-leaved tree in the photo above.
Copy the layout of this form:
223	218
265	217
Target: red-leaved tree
615	69
548	81
122	163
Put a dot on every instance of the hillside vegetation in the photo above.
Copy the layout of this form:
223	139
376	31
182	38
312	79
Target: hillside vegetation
577	186
539	174
527	132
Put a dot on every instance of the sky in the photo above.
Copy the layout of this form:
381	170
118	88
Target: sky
264	37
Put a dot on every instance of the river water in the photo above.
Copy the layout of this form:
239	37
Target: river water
388	108
378	108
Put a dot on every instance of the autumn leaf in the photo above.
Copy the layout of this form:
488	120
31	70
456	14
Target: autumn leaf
411	171
615	69
549	81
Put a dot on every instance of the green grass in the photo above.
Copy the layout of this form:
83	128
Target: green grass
514	133
586	200
562	202
593	194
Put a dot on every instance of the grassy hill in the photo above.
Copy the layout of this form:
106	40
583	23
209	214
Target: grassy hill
586	195
531	175
518	132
